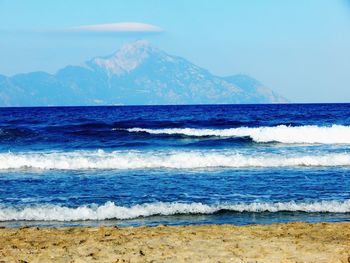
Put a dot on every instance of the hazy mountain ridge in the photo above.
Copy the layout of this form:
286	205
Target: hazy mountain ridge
136	74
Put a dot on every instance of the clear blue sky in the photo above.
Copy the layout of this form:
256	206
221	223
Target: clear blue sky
300	48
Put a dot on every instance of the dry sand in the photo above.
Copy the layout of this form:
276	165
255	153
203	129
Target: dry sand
293	242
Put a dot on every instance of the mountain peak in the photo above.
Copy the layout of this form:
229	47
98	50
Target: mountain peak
126	59
137	73
136	45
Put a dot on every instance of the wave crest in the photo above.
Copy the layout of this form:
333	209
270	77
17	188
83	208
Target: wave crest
84	160
336	134
110	210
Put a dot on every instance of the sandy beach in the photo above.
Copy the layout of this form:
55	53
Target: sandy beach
292	242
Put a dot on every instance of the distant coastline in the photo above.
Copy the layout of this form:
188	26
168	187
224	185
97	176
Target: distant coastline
177	105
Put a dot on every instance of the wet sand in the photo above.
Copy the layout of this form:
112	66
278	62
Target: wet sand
292	242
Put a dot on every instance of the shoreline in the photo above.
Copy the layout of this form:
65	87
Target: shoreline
286	242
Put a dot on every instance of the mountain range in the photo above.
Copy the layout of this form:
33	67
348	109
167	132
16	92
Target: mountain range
137	74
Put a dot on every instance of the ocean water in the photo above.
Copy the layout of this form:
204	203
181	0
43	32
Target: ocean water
149	165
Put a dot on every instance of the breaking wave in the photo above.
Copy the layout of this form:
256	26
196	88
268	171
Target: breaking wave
336	134
84	160
110	210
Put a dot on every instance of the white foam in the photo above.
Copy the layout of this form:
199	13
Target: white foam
84	160
336	134
110	210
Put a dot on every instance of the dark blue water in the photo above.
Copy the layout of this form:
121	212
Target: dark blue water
139	165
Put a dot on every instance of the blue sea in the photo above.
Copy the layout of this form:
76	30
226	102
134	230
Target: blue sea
150	165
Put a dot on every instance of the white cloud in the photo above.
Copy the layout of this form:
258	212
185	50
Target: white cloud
125	27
